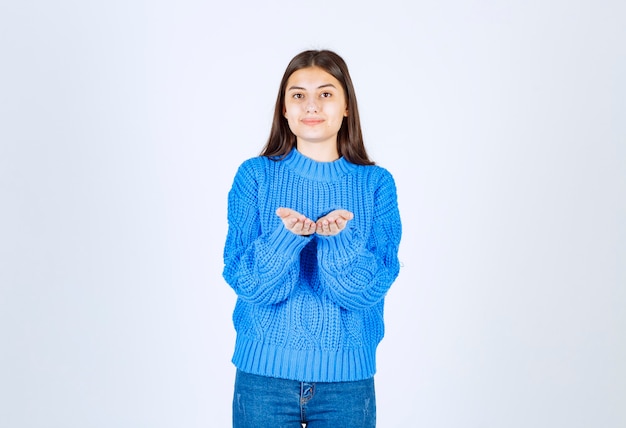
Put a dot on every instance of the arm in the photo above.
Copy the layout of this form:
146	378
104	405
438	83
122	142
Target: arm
260	267
356	270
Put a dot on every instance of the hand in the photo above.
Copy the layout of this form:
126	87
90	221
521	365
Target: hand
333	222
296	222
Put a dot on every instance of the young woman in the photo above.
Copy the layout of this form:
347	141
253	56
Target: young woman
311	251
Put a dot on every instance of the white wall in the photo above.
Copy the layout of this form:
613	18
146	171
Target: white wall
121	127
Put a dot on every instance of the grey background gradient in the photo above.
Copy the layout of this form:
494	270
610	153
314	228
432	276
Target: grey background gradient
122	124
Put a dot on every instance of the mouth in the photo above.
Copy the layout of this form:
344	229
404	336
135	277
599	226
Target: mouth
312	121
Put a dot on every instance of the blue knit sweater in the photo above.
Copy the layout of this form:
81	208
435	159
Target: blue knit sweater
310	308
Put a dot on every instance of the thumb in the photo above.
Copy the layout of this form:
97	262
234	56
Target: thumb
283	212
345	214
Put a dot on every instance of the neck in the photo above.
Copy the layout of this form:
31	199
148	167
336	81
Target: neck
320	152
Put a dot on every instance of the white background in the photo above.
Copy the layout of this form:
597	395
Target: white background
122	124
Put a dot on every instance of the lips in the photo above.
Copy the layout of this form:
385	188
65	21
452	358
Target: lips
312	121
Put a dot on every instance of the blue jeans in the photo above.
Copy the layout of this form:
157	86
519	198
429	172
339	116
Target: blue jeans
267	402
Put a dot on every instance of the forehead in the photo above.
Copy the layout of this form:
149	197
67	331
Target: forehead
312	77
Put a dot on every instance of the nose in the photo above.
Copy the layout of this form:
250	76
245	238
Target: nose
311	107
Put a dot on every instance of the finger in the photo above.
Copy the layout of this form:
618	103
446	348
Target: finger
283	212
305	224
347	215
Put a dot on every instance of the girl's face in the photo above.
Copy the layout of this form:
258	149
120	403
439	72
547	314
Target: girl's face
315	105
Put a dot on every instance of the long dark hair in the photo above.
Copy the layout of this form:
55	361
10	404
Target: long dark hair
349	138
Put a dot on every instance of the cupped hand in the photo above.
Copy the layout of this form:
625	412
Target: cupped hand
333	222
295	222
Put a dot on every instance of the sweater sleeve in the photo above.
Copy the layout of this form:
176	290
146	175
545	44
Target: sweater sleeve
261	267
357	271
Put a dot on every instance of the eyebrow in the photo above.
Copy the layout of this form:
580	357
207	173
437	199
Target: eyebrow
327	85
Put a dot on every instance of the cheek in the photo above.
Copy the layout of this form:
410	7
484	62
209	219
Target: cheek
292	122
290	111
337	118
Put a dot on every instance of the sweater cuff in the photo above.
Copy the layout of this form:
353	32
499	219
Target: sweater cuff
282	241
338	247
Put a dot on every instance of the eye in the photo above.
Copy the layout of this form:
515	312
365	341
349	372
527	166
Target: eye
297	96
326	95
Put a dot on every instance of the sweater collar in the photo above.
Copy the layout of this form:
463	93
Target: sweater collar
320	171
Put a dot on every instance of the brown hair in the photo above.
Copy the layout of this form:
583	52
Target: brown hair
349	138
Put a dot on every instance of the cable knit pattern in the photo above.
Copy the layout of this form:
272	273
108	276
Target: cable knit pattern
310	308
